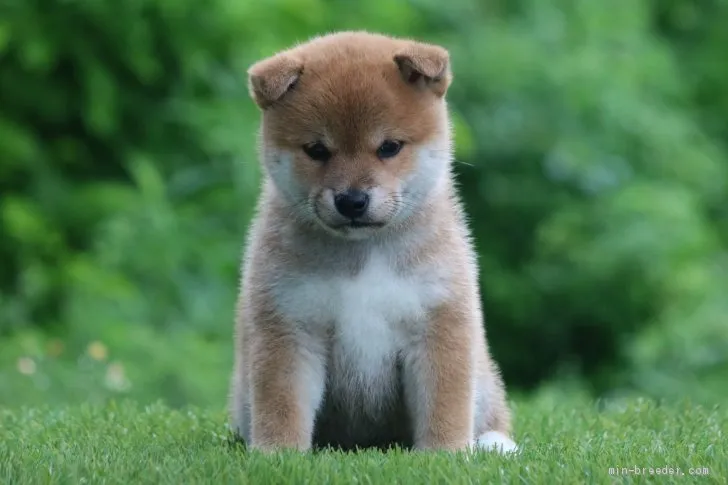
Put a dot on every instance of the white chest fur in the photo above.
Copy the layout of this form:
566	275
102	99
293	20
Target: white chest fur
370	315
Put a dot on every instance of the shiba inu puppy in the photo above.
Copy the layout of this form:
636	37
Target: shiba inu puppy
359	321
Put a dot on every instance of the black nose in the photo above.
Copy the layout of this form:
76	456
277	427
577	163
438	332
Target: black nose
352	203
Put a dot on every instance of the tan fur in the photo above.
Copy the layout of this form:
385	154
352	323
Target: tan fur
360	336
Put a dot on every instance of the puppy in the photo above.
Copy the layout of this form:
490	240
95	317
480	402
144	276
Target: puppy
359	321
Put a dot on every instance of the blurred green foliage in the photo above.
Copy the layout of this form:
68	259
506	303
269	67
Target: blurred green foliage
592	156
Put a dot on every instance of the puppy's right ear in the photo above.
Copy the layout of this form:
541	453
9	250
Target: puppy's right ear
425	65
270	79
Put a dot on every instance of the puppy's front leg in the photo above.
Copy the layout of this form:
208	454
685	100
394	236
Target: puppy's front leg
287	381
439	381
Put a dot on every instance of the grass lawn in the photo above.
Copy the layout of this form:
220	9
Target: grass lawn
563	441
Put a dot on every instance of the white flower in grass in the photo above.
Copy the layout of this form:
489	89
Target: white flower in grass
116	379
26	366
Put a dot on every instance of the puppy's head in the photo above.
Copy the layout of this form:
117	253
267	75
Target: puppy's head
355	132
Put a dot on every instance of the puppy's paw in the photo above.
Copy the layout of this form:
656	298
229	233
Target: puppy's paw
496	441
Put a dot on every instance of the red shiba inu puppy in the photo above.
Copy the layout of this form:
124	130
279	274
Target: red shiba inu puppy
359	320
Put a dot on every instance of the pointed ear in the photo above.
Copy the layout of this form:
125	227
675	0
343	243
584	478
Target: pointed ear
425	65
270	79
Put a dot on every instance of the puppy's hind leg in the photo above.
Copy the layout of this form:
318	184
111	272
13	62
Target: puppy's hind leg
496	441
493	418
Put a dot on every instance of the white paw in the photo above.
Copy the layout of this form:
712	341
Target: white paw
496	441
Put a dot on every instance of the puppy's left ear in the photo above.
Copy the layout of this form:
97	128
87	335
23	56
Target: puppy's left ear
270	79
425	66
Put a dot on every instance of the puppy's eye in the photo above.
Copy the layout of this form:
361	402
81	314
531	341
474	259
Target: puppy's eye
389	149
317	151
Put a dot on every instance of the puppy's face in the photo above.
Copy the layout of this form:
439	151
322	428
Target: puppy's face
355	133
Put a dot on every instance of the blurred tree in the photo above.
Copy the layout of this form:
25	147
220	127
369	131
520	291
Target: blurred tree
89	89
591	151
696	32
591	187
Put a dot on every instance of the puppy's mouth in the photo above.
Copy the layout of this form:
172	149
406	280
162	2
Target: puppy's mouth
348	227
355	224
353	229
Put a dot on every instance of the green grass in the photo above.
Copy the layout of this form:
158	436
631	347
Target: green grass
563	441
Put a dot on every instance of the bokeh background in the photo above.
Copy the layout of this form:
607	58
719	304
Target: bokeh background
592	149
